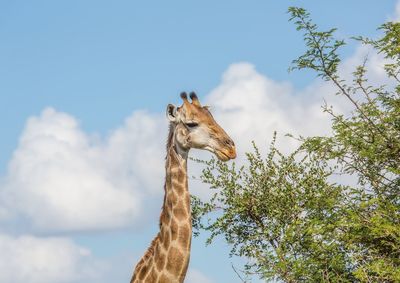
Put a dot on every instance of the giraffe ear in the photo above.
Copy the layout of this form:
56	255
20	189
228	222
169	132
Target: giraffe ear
171	113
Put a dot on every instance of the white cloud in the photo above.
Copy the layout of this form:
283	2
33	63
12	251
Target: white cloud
45	260
375	66
195	276
249	104
252	105
60	178
396	16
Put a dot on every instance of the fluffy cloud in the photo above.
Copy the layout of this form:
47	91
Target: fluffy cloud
45	260
252	105
60	178
195	276
375	65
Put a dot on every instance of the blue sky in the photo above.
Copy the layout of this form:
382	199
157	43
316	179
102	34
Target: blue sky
97	75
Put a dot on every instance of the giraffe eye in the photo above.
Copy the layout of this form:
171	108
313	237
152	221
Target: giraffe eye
192	124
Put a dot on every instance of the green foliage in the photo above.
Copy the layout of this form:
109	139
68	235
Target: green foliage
321	56
287	215
279	213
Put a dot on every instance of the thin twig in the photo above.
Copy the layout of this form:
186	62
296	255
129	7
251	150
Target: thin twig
237	273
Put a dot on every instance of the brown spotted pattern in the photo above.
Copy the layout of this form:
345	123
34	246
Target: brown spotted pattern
167	258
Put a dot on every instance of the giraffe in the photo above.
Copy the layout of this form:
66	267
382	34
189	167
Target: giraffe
191	126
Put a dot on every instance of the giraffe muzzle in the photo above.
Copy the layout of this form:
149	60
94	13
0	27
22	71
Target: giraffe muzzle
226	154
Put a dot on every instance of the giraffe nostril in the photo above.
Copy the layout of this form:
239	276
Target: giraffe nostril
229	142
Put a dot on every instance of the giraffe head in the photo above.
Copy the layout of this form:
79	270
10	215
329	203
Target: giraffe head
195	127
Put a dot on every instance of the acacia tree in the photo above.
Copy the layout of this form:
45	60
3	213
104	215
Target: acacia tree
286	215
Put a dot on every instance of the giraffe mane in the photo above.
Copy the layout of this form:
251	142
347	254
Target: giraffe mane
170	136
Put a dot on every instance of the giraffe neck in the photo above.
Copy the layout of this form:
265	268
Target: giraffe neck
167	258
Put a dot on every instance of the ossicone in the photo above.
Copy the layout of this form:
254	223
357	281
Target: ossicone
194	98
184	95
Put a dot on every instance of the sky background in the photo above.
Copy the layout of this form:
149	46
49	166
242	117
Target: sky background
83	89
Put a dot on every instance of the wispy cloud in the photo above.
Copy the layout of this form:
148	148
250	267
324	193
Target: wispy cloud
396	16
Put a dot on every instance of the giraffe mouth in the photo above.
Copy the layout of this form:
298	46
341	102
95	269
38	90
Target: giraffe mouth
225	156
222	154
